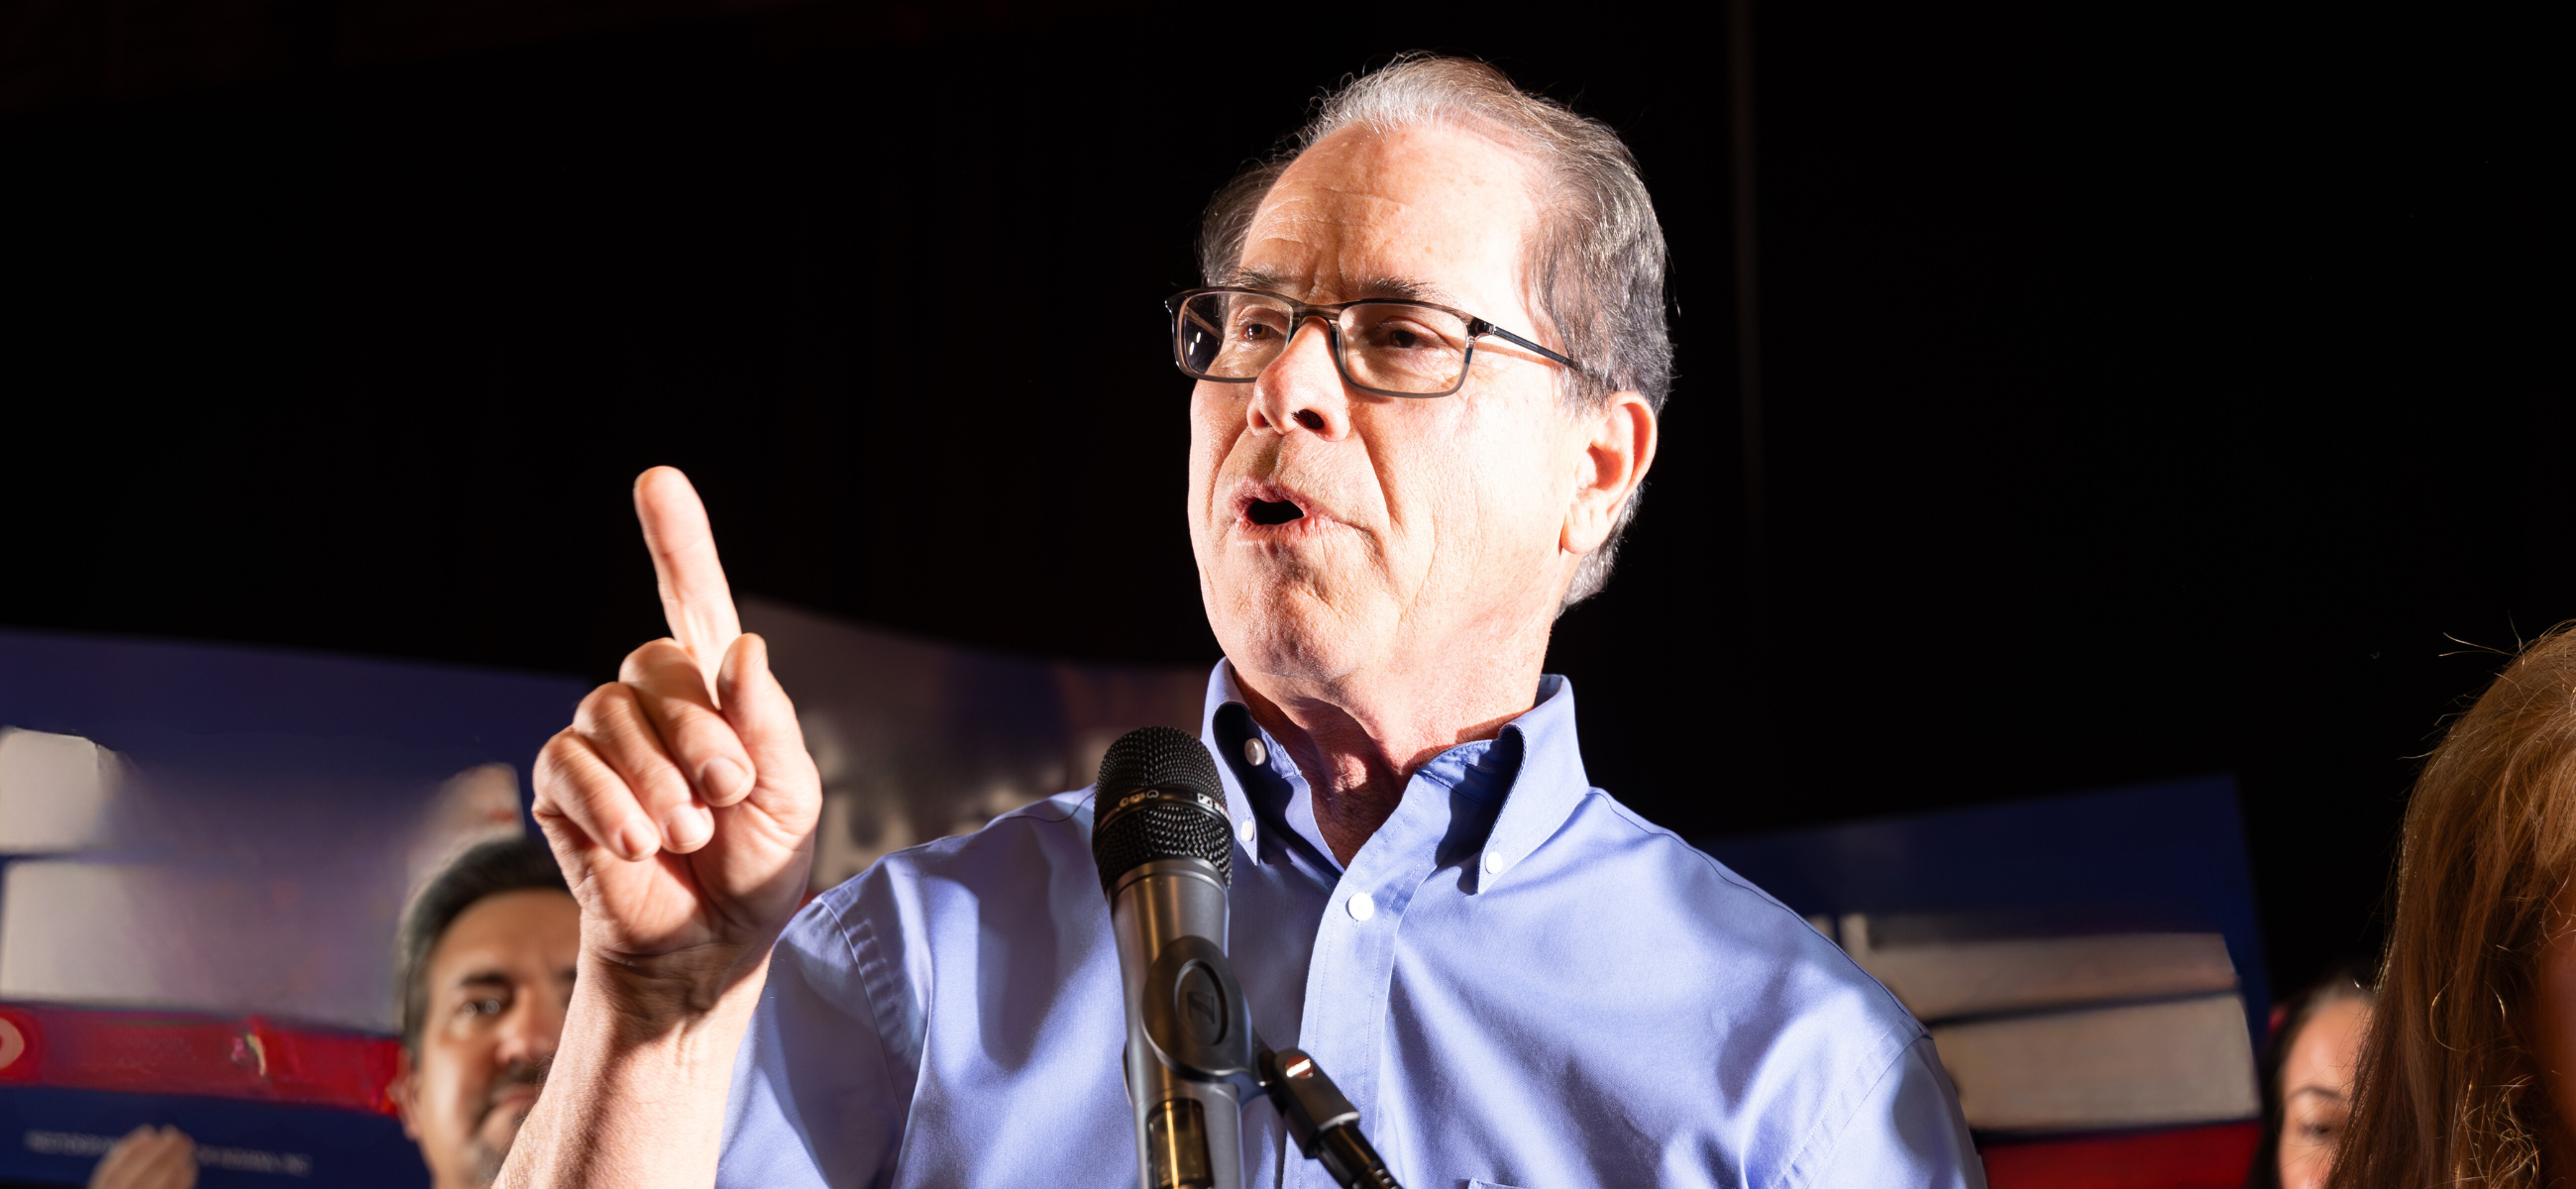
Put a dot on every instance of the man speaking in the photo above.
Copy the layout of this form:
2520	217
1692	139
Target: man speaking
1428	364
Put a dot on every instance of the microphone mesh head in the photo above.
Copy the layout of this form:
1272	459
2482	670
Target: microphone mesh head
1158	757
1183	824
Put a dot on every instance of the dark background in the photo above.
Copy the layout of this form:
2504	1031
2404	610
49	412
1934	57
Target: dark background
2148	390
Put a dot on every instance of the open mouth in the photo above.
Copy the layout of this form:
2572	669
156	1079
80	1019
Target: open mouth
1273	512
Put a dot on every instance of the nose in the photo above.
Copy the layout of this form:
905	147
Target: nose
531	1031
1302	388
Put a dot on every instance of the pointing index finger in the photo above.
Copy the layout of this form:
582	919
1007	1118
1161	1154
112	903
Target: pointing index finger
695	598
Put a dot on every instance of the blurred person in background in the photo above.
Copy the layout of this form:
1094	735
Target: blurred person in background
486	970
148	1158
2307	1083
2468	1070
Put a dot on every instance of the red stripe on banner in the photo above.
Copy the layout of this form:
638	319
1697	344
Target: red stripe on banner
2191	1158
144	1052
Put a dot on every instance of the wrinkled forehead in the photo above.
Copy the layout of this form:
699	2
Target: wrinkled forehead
1429	212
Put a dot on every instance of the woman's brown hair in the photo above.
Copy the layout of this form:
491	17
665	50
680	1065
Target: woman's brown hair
2448	1093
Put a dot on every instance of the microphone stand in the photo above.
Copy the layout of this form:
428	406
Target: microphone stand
1194	1012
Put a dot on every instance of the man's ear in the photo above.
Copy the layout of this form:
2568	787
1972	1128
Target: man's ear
405	1092
1618	447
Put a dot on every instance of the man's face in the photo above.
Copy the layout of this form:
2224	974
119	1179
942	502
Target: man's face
1428	525
498	982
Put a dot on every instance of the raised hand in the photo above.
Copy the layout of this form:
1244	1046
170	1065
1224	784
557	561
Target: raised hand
681	802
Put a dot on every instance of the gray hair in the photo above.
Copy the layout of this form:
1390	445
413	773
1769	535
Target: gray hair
1596	267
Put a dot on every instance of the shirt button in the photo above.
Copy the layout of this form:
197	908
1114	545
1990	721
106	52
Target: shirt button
1495	862
1245	830
1254	753
1362	908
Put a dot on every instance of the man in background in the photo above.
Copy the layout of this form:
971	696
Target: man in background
486	968
486	971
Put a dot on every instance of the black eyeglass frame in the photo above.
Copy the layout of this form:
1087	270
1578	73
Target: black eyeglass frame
1332	314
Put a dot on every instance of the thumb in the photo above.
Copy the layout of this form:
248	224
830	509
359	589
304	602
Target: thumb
764	718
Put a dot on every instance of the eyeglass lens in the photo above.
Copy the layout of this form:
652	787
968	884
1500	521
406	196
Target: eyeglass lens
1386	346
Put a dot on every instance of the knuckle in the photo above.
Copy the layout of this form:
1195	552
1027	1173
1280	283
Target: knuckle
573	779
648	658
562	764
551	772
603	704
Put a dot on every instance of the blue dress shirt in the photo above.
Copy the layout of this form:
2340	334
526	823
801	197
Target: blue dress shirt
1517	981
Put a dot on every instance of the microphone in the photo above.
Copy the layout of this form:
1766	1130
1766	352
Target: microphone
1165	849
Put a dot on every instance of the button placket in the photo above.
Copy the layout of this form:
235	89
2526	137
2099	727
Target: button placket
1351	981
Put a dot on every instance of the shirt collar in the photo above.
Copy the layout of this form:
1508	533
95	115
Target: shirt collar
1539	774
1551	781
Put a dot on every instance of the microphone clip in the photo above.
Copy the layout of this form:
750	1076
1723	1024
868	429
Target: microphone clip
1325	1124
1196	1017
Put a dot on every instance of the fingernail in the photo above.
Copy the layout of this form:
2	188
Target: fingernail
688	828
637	840
724	779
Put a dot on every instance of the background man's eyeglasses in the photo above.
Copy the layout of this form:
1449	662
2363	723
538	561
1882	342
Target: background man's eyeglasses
1386	345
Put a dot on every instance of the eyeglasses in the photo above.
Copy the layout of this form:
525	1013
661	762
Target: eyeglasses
1386	345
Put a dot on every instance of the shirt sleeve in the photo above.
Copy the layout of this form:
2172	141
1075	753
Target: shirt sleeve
1907	1132
813	1103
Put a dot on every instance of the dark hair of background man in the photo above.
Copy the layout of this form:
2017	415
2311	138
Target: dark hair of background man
489	869
2148	390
